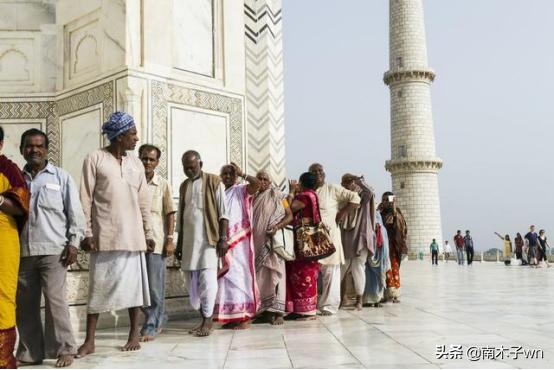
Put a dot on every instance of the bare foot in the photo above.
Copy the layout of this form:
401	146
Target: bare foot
306	318
131	345
243	325
358	306
277	320
193	330
205	329
147	338
64	360
395	300
326	313
86	349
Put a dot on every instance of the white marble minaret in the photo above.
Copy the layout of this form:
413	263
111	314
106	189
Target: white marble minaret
414	164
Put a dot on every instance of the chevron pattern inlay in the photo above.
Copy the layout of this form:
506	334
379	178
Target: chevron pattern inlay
264	88
52	110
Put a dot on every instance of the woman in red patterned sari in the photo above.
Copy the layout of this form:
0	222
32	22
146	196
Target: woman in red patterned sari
14	208
302	275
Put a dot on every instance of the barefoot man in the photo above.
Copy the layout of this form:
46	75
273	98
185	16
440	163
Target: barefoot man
49	244
116	203
202	225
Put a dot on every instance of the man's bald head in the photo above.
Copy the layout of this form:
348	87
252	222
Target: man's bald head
192	154
192	164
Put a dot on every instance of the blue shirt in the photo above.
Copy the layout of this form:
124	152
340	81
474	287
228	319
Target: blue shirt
55	214
532	237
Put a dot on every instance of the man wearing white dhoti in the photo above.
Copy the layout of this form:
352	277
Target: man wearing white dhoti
202	225
116	204
335	202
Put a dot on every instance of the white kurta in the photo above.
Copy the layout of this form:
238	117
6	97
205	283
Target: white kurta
198	254
332	198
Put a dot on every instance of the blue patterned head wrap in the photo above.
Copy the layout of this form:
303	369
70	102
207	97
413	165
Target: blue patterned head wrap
118	123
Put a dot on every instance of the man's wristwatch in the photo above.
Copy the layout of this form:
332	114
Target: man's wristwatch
223	238
169	237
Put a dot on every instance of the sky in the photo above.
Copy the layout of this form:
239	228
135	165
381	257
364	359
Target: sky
493	104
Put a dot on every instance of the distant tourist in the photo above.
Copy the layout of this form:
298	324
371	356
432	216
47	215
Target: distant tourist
543	244
434	247
447	250
397	232
519	247
460	243
507	250
468	244
532	240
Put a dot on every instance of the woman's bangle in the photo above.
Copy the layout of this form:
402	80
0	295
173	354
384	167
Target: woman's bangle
2	200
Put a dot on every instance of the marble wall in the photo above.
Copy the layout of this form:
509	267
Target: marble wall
177	66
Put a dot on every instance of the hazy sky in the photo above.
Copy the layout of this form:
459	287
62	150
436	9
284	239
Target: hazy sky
493	103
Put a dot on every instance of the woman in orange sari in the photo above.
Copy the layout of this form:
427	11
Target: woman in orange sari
397	232
14	208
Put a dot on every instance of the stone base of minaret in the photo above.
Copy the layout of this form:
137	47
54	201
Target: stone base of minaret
415	184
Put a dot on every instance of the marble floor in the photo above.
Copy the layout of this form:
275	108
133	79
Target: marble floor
488	312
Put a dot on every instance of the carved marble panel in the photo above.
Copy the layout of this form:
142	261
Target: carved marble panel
198	130
81	134
193	48
164	94
19	57
82	47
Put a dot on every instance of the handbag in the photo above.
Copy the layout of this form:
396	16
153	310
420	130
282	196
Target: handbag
313	241
283	244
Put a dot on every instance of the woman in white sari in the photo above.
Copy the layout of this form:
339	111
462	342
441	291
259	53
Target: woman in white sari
237	298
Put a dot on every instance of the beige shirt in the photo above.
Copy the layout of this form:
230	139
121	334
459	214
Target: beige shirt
116	202
198	254
161	206
332	198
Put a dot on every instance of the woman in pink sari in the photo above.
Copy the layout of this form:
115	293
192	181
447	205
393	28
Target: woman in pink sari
237	298
301	274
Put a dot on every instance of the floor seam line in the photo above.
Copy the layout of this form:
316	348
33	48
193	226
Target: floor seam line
228	350
401	344
342	344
